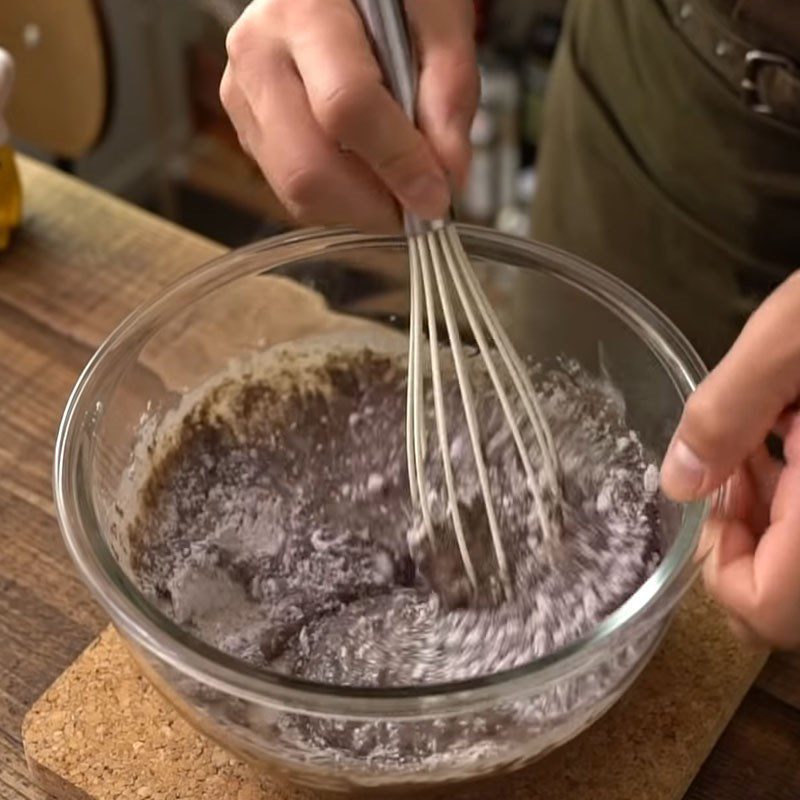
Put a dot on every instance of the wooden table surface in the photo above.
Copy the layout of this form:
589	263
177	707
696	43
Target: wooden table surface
81	263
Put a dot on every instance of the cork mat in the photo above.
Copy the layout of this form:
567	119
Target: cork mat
102	732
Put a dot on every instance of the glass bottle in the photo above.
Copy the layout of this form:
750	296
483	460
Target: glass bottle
10	187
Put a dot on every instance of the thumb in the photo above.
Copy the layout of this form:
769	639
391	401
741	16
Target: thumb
735	408
449	86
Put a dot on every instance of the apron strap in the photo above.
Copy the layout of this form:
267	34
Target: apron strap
767	81
777	20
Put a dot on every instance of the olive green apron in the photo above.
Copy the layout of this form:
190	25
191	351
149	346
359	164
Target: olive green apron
653	167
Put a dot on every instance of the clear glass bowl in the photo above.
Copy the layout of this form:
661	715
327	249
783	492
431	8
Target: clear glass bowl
321	283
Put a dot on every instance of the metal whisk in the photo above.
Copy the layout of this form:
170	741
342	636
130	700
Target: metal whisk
442	275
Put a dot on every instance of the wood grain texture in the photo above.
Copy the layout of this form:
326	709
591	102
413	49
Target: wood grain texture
82	262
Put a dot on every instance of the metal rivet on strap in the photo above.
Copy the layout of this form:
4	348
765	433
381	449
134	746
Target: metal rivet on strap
685	11
723	48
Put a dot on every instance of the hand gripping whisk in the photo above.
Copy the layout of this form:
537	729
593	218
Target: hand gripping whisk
442	277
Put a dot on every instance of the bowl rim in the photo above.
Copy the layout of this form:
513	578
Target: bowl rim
163	639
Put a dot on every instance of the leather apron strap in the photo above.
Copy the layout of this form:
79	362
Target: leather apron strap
777	20
767	79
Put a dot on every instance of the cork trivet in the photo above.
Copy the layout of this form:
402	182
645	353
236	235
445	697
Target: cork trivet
101	732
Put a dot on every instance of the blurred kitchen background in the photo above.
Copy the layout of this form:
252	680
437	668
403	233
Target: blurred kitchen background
161	139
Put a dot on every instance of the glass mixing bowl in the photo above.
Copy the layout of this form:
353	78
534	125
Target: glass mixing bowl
321	284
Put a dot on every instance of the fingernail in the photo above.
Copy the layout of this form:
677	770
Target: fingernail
683	472
428	196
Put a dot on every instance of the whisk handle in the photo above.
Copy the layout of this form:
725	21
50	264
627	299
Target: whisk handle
387	26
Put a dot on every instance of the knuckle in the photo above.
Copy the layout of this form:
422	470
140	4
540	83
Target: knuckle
237	40
347	109
706	416
254	26
464	77
268	20
404	165
226	91
301	190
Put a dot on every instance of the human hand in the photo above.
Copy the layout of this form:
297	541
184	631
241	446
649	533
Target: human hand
306	96
754	565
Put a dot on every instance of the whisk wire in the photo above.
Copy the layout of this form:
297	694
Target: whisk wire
414	332
438	243
515	366
435	246
439	411
439	265
470	296
415	416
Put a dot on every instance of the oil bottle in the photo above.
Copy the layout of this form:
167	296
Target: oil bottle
10	187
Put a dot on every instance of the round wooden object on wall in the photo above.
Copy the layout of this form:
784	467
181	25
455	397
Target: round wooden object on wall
61	94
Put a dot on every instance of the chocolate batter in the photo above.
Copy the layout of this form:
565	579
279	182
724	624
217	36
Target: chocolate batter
278	528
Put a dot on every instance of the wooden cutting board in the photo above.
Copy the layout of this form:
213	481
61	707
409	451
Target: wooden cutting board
101	732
